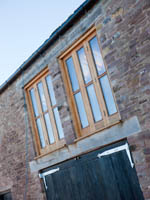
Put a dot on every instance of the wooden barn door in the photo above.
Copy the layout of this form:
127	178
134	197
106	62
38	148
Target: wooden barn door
6	196
106	174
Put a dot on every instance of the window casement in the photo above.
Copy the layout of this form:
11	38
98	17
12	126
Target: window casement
86	79
45	117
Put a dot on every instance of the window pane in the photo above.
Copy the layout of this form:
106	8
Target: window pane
94	103
42	97
84	65
51	90
109	99
97	56
81	110
34	103
58	123
49	128
72	74
41	135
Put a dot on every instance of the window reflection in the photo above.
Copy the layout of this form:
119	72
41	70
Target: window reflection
42	97
81	110
97	56
58	123
84	65
94	103
72	74
49	128
51	90
40	131
34	103
108	96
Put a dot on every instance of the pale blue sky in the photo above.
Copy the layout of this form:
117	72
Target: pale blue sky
25	25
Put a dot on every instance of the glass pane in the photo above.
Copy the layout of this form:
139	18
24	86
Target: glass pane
97	56
58	123
72	74
81	110
34	103
49	128
84	65
94	103
108	96
41	135
42	97
51	90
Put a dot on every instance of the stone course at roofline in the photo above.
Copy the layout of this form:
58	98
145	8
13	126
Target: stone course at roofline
123	28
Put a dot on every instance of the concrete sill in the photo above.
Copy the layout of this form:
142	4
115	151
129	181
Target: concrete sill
88	135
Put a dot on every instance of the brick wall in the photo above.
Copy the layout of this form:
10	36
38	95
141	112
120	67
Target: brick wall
123	28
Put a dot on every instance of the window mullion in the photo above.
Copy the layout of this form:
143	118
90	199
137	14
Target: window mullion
83	91
41	115
98	90
50	111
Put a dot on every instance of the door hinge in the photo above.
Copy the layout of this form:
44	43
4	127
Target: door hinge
42	175
117	149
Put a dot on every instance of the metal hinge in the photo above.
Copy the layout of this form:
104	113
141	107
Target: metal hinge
42	175
117	149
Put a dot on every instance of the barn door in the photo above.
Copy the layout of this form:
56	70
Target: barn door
6	196
106	174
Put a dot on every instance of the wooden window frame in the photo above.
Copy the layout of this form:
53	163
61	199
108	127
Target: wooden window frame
59	143
107	120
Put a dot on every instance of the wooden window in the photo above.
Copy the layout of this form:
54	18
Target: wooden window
45	117
87	83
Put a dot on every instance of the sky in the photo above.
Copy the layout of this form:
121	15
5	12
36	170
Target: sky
25	25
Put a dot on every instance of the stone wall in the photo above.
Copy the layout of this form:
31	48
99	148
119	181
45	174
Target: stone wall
124	32
123	28
13	147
